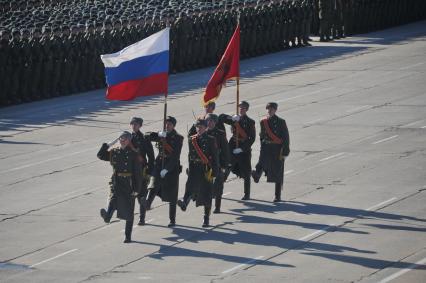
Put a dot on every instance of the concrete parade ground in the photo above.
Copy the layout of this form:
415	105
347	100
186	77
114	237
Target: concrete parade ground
354	205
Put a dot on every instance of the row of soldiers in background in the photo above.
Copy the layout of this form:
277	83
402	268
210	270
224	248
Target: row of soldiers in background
211	158
53	48
335	19
54	60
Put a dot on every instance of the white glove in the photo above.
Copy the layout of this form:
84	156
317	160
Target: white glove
213	180
163	173
236	118
237	151
162	134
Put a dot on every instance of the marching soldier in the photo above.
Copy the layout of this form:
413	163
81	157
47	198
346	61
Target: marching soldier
325	7
274	148
167	167
224	158
243	137
209	108
146	157
203	168
125	181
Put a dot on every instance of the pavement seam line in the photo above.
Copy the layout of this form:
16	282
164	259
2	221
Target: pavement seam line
52	258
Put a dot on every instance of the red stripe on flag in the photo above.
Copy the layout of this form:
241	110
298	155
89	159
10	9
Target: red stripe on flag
155	84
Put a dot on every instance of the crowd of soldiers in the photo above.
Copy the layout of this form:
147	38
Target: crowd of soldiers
52	48
335	19
137	174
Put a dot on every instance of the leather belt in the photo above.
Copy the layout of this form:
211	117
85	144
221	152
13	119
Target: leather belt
124	174
195	160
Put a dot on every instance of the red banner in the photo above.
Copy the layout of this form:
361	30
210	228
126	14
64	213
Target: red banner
228	68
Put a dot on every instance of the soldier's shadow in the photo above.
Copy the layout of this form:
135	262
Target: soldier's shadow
321	209
232	236
228	237
313	208
176	251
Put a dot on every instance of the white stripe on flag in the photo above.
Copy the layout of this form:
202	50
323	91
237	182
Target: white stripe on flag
156	43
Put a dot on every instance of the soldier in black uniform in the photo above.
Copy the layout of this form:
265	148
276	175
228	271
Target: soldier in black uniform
224	158
243	137
274	148
5	66
25	61
125	182
325	7
146	157
15	69
203	168
167	167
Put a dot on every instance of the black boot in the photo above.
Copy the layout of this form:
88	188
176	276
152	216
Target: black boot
104	215
107	214
172	214
246	188
142	210
183	204
150	199
277	192
218	202
206	216
128	231
256	174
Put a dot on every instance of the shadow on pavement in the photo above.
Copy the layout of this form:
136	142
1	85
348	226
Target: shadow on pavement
369	262
174	251
312	208
234	237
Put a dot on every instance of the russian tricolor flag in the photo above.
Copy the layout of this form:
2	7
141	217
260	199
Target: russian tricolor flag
140	69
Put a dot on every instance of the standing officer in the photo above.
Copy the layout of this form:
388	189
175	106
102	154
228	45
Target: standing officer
125	181
146	157
203	168
274	148
224	157
243	137
167	167
324	7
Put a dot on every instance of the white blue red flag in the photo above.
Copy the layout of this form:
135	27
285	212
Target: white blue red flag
140	69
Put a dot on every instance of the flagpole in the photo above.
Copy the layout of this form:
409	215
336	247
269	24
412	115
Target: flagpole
238	93
165	104
166	93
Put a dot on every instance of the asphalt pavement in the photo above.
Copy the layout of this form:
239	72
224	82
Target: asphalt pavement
354	206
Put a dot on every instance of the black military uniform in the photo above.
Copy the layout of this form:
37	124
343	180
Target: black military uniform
274	148
203	168
241	161
125	183
224	158
168	158
145	152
